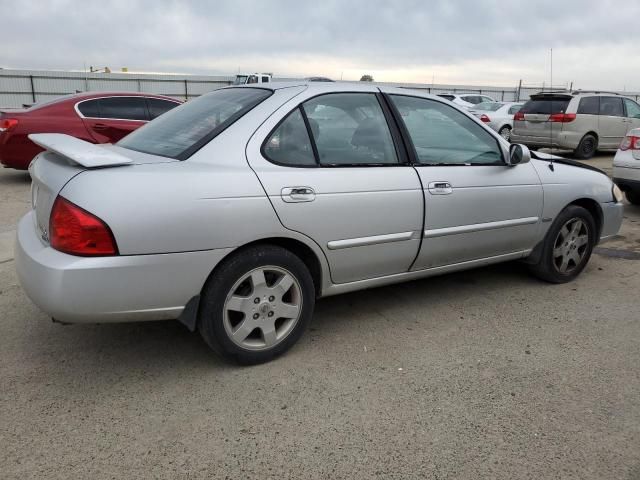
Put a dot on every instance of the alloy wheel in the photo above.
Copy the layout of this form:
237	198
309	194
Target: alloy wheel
571	245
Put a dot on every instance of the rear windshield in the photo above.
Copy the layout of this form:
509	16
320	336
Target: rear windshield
488	106
448	97
182	131
546	106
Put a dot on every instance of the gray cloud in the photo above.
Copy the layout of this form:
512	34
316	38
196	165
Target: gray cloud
473	41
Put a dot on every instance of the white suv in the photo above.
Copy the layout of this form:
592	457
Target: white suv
582	121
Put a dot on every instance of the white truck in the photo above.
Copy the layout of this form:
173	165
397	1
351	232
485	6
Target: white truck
246	78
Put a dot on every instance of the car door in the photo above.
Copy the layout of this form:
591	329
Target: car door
334	171
632	113
612	124
476	206
109	119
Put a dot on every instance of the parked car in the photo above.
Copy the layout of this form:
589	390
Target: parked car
626	166
249	78
582	121
236	210
497	115
466	100
97	117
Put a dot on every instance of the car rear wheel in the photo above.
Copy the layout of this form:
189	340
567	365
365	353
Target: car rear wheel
567	246
257	304
587	147
505	132
633	196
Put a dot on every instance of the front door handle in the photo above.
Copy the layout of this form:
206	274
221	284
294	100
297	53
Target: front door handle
298	194
440	188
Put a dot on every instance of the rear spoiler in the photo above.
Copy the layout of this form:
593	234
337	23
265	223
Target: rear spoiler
78	151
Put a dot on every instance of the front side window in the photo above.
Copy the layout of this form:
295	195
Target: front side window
442	135
513	109
123	108
589	106
184	130
289	144
633	109
611	106
350	129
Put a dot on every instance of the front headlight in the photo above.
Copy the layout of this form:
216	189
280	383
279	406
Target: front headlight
617	193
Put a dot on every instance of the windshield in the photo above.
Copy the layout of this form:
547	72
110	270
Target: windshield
182	131
488	106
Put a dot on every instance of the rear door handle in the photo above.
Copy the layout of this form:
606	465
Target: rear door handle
100	126
440	188
298	194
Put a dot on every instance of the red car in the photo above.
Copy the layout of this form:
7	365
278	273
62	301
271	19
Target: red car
96	117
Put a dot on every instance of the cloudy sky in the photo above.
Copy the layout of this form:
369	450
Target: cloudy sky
595	43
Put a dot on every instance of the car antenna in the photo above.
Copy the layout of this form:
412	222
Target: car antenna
551	167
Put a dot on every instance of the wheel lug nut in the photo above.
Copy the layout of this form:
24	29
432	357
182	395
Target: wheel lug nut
255	316
256	300
272	298
270	314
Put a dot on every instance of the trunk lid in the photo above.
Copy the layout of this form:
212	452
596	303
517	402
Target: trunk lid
537	113
67	158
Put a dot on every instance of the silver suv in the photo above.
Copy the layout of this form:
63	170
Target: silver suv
582	121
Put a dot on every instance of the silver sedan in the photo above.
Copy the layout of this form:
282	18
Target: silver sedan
234	212
498	115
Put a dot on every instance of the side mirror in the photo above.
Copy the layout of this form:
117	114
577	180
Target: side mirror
518	154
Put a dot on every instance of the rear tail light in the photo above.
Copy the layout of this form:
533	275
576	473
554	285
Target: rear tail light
484	118
75	231
562	117
7	123
630	143
519	116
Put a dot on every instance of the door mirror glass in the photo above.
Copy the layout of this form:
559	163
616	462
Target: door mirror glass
518	154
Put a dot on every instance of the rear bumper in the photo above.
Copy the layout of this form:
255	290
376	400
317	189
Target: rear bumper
108	289
560	139
612	213
627	178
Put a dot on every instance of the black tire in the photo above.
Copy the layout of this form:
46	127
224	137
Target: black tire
633	196
505	132
587	147
547	267
212	316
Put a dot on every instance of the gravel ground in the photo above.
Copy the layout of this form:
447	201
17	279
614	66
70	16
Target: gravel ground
483	374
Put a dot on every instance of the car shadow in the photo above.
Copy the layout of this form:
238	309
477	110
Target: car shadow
14	177
106	355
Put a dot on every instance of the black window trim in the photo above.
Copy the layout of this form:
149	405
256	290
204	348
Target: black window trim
186	154
413	153
396	136
82	116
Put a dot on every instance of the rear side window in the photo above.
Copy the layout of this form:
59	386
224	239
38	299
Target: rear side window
350	129
589	106
611	106
633	109
124	108
89	108
158	106
289	144
448	97
546	106
182	131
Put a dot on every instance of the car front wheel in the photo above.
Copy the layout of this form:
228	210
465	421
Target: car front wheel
567	246
257	304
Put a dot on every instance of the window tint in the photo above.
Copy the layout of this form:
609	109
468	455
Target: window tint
514	109
611	106
158	106
124	108
546	106
265	79
252	79
448	97
350	129
589	105
89	108
182	131
442	135
633	109
289	144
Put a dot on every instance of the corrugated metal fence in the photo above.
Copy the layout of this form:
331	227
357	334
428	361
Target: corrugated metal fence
25	87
